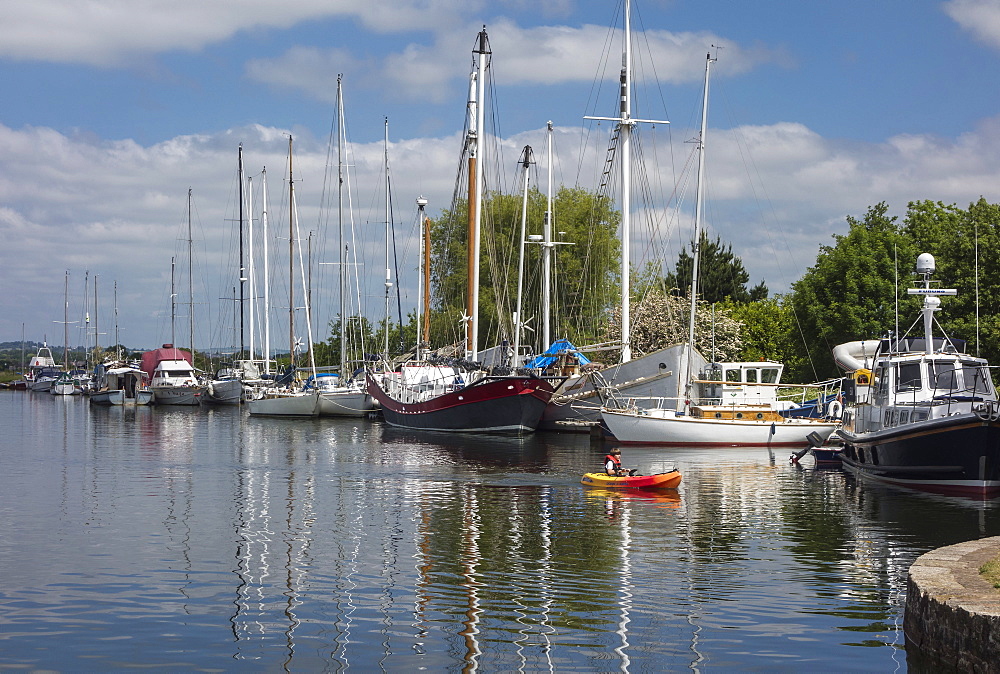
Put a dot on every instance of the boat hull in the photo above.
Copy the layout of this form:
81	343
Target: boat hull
285	405
491	405
224	392
668	480
120	398
957	455
345	403
41	385
636	428
176	395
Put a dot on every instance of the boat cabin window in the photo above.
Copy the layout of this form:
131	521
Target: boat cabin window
882	383
733	375
944	375
976	378
908	377
751	376
769	375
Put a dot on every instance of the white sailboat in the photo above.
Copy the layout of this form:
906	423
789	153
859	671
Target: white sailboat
226	385
64	384
727	404
291	401
343	396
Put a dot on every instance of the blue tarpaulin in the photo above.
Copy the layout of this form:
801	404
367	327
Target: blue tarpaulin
558	347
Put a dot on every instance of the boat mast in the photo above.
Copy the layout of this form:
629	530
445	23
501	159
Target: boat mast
547	250
173	307
696	244
305	289
388	272
423	288
340	221
526	161
66	322
251	275
86	317
625	123
97	332
118	351
291	259
267	275
626	144
242	277
190	282
476	137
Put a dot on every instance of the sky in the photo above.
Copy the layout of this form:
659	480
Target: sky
111	111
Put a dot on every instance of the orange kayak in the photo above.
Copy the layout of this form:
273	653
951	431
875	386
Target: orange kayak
668	480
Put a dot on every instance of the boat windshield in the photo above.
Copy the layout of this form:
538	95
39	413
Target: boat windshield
908	377
944	375
976	378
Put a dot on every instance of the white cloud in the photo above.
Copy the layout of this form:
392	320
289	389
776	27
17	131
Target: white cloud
546	55
119	208
979	17
112	32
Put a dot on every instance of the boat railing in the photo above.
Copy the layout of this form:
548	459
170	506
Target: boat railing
631	403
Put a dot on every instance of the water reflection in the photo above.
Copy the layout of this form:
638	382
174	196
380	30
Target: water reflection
206	539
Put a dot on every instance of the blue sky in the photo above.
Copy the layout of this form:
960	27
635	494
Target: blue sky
112	110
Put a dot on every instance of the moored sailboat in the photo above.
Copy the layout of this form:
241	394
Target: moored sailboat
343	395
465	396
726	404
576	404
291	401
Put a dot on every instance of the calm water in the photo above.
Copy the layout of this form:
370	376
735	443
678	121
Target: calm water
202	539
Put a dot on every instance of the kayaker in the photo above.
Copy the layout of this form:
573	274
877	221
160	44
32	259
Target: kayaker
613	463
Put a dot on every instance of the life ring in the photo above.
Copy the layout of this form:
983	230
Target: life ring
834	409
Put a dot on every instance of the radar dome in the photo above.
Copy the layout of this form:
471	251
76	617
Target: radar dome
925	263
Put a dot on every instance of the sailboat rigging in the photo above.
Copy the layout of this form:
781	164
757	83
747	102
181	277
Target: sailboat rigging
736	404
345	397
290	402
465	396
576	404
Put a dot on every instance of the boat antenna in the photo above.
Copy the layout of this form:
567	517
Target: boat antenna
895	264
976	230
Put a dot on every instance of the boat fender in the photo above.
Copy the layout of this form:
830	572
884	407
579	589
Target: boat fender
835	409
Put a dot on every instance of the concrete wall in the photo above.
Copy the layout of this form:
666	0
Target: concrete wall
952	615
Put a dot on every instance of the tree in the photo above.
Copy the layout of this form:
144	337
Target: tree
964	245
767	329
848	294
585	274
721	274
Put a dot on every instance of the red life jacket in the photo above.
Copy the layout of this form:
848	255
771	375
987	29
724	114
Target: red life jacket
614	459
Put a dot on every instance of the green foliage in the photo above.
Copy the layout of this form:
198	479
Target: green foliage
965	246
767	326
585	274
848	294
721	274
359	334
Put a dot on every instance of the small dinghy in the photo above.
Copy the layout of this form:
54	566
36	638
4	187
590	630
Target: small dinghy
668	480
